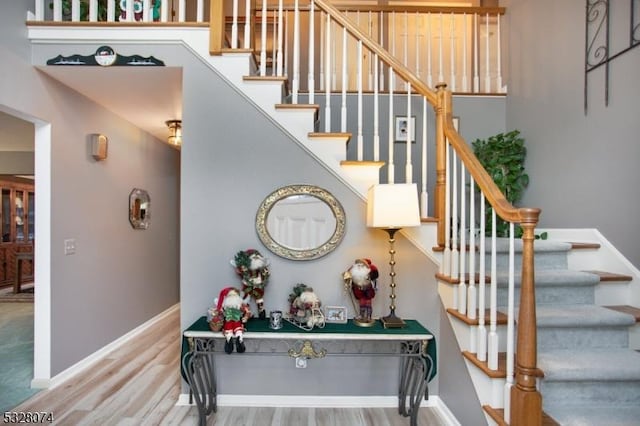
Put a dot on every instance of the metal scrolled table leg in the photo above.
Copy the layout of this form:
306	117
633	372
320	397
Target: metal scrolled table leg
200	372
413	383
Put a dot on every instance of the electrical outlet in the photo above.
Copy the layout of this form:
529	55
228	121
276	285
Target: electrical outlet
301	363
69	246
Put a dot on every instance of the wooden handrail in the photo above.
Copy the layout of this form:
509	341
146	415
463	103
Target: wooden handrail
382	53
496	198
400	8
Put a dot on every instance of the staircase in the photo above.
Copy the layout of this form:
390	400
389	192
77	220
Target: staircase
588	373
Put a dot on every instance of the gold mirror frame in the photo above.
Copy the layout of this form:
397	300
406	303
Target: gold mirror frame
290	253
139	209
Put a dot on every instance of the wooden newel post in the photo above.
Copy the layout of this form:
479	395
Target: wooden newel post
526	401
216	27
439	192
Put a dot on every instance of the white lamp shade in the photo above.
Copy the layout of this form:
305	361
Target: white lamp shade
393	206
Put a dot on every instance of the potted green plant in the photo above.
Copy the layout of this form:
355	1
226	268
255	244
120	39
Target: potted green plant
503	157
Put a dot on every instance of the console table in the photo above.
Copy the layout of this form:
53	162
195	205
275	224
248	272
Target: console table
413	344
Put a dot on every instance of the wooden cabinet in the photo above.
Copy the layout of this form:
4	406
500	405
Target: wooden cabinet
17	226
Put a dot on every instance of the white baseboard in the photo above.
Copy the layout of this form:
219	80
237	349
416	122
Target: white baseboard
323	402
43	383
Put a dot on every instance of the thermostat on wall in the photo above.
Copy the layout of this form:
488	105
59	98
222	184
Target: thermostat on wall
99	146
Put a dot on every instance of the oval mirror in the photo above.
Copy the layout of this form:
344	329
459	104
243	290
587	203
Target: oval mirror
300	222
139	208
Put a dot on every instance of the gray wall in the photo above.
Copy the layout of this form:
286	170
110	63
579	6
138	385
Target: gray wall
119	277
583	168
235	158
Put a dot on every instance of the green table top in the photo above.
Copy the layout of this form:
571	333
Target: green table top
413	330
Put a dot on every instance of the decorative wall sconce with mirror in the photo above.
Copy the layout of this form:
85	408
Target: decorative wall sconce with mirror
139	208
300	222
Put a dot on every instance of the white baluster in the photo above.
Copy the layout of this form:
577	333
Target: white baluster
311	82
492	362
263	40
391	167
440	64
452	53
472	295
381	41
39	10
93	9
274	53
199	11
359	73
417	46
345	82
285	50
487	54
376	111
182	11
296	53
279	58
164	11
327	84
476	71
111	10
409	165
130	11
499	87
462	306
393	40
323	47
75	10
482	330
247	23
405	45
424	196
465	80
510	325
234	26
334	70
455	253
146	10
429	70
370	56
446	257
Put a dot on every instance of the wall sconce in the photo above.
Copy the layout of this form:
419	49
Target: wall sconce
175	132
392	207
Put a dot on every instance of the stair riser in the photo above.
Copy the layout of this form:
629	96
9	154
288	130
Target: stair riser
553	295
542	261
602	393
583	337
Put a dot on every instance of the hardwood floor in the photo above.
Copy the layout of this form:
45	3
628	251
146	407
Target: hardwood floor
139	383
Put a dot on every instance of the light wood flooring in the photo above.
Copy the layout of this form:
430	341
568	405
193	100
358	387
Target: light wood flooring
139	384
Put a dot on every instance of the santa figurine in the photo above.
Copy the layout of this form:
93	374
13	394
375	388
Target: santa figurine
360	279
234	313
253	268
305	307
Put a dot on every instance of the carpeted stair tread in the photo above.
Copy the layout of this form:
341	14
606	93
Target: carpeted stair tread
553	278
595	364
596	416
581	316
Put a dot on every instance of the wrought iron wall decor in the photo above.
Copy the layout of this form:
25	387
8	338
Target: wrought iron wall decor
598	39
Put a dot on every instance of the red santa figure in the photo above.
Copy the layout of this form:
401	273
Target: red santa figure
234	313
361	279
253	268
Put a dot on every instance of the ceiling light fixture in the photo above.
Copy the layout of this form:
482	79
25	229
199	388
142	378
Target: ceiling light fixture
175	132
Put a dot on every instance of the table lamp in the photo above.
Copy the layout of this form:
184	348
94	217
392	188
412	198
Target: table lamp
392	207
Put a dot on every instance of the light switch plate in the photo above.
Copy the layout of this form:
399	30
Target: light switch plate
69	246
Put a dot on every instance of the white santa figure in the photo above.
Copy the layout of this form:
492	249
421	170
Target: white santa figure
235	314
308	304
